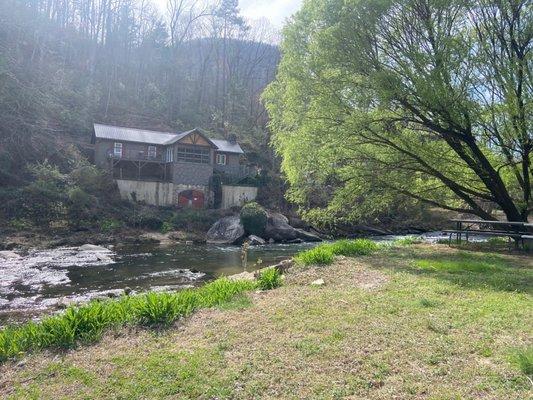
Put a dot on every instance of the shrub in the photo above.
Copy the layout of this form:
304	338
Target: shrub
269	278
166	227
254	219
321	255
109	225
194	220
149	219
20	224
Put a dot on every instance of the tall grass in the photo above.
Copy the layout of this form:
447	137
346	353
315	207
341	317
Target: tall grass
269	278
87	323
325	253
523	360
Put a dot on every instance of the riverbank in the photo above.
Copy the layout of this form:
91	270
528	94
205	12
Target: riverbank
412	321
38	282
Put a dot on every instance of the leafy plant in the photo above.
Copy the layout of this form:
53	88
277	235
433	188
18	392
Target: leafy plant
166	227
269	278
109	225
321	255
254	218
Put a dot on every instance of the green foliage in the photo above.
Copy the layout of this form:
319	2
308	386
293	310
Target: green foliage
325	253
321	255
194	220
109	225
20	224
407	241
357	247
43	199
523	360
149	218
254	218
87	323
366	124
269	278
166	227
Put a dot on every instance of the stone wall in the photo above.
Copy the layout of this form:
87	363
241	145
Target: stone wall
237	195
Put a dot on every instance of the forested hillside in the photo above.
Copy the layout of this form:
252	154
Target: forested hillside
65	64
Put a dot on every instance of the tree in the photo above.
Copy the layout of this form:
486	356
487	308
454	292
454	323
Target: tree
420	99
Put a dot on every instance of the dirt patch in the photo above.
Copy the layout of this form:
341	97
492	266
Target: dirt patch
345	272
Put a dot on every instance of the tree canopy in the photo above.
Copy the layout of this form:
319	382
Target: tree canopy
379	102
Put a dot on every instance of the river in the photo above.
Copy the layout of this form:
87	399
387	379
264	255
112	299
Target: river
41	279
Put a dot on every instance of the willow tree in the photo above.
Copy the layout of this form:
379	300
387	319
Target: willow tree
422	99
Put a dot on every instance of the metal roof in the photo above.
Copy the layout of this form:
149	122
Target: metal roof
132	134
228	147
155	137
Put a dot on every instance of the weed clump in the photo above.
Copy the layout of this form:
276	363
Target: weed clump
269	278
325	253
523	360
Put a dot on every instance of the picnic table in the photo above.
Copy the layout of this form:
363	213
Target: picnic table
520	232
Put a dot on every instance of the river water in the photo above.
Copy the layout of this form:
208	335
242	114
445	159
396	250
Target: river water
41	279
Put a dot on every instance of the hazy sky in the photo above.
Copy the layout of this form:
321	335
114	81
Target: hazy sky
276	11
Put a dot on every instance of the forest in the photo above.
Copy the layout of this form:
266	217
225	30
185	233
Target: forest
357	116
65	64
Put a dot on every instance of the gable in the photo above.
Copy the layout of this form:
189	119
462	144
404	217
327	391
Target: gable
196	138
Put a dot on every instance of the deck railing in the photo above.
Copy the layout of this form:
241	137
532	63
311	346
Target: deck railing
133	155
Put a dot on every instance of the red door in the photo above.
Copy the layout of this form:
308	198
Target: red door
191	199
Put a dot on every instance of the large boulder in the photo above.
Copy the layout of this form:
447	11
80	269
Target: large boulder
307	236
278	228
227	230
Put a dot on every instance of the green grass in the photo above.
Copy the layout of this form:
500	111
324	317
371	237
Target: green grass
407	241
269	278
523	360
324	254
87	323
442	324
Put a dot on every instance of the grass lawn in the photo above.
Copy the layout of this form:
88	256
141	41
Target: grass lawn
421	321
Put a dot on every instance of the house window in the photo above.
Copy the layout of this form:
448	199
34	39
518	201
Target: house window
170	154
221	159
117	150
152	151
196	154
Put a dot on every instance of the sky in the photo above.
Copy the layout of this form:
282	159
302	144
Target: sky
276	11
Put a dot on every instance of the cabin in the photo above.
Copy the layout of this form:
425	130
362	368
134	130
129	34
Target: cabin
168	168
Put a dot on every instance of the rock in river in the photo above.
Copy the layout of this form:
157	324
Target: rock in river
278	228
227	230
92	247
256	240
6	255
